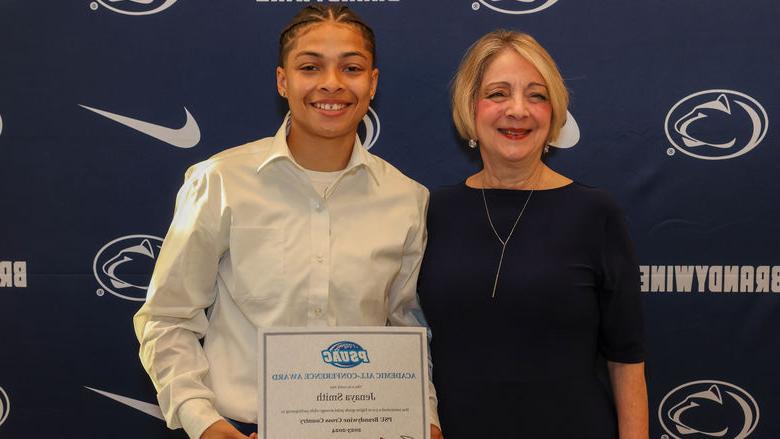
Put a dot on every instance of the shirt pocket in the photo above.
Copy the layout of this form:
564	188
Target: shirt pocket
257	260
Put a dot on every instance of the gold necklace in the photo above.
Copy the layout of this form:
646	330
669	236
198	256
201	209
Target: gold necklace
502	241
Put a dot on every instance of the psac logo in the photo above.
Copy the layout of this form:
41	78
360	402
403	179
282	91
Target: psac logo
345	354
124	266
716	125
5	406
133	7
13	274
515	6
369	129
707	409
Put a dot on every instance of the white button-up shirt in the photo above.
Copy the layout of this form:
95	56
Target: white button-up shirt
253	242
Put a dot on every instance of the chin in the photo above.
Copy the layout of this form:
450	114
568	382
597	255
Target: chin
517	155
332	133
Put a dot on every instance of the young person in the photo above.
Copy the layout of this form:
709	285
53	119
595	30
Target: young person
305	228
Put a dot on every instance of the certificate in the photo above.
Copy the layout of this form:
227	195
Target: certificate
343	382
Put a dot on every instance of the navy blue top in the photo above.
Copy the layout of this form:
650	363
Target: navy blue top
526	363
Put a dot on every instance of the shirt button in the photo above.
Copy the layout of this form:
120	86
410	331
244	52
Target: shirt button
317	311
319	258
318	206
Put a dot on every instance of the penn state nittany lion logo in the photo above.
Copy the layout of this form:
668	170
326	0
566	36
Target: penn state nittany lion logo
369	129
134	7
515	6
345	354
716	124
123	267
708	409
5	406
569	135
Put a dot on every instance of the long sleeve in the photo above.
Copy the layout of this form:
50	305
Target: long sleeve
252	244
404	305
173	319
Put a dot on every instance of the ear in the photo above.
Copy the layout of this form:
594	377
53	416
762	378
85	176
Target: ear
147	247
724	101
374	82
281	82
716	392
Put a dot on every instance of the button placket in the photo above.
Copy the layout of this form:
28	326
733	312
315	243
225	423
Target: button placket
320	270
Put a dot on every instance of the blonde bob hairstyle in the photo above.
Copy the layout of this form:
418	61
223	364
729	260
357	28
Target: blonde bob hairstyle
468	79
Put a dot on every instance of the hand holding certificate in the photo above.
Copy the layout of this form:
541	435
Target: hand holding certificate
362	382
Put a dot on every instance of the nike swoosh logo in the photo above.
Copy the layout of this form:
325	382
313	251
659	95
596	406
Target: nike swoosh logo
149	409
184	137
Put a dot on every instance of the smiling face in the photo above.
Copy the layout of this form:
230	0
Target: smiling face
328	80
513	111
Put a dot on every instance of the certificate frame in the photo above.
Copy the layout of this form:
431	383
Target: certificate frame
306	372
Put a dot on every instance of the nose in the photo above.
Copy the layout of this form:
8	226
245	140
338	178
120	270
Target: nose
516	107
331	80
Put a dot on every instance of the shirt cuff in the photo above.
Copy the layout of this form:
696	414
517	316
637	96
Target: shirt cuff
196	415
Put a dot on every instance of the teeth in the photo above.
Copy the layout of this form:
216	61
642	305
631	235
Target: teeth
330	107
513	132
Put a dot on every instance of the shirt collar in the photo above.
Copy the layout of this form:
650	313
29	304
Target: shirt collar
360	157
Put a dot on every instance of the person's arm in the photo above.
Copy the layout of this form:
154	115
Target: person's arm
404	307
173	319
622	328
630	393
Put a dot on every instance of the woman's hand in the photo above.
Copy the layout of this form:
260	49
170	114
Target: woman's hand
223	430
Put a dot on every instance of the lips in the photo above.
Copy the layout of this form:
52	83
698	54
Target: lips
514	133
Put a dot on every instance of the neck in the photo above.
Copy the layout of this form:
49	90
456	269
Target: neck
503	177
320	154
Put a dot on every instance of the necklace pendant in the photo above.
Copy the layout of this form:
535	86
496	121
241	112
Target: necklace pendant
503	242
498	271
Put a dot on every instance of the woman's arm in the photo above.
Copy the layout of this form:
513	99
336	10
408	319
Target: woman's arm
630	392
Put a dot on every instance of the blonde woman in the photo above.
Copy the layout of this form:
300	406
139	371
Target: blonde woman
529	282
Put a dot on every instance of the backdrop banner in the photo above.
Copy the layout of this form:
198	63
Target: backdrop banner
105	103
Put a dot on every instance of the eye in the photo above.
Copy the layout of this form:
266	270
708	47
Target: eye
538	97
308	68
353	69
497	94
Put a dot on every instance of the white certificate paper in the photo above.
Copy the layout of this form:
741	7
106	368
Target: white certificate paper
343	382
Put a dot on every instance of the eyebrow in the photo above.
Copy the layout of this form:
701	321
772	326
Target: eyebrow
319	55
506	84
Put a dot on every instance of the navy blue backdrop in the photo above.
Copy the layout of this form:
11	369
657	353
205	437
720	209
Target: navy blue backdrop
104	104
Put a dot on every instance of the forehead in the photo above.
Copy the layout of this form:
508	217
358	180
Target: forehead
511	67
330	38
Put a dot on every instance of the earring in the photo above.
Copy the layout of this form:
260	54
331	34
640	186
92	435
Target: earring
284	94
546	148
472	143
